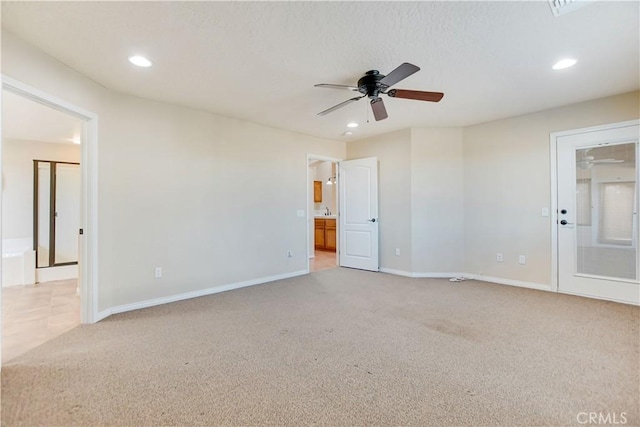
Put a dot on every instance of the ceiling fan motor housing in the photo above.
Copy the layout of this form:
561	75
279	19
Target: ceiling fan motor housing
369	84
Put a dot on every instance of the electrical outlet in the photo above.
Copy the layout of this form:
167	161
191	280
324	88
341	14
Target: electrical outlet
397	251
289	254
158	272
522	259
499	257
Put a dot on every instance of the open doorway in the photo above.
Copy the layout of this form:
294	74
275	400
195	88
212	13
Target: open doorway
323	213
41	217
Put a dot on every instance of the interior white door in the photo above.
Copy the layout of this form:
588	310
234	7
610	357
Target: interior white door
358	201
598	214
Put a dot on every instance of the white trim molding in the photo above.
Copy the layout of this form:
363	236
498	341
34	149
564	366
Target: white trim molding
194	294
509	282
585	295
396	272
468	276
420	275
88	267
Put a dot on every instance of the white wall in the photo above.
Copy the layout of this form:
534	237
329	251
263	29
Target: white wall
420	197
507	183
212	200
17	183
393	151
437	200
452	198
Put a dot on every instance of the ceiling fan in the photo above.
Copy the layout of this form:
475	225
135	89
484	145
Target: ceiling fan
587	162
372	84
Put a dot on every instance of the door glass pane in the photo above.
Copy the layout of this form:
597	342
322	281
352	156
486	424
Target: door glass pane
44	179
606	220
67	212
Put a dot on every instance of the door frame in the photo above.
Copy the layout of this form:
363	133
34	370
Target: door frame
553	158
88	271
310	217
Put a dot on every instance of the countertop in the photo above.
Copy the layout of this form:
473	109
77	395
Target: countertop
325	216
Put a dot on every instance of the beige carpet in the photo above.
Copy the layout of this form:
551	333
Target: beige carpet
339	347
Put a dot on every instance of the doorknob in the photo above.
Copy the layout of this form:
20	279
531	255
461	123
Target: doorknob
372	220
565	222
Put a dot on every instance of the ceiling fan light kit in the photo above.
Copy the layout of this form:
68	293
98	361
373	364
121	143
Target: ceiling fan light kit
372	84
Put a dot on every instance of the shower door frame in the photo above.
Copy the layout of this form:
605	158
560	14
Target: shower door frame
52	211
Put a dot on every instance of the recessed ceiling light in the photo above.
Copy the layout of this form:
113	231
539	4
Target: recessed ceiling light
564	63
347	133
352	125
140	61
75	140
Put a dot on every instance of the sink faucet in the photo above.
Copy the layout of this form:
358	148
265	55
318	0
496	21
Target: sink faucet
328	211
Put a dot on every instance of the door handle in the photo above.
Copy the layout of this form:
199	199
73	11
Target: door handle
565	222
372	220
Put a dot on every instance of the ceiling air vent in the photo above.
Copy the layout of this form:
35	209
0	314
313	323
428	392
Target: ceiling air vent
562	7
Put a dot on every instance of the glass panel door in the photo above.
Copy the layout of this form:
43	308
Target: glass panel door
67	212
597	220
606	202
57	188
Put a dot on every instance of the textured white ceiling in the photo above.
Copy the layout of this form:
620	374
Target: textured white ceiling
30	121
259	60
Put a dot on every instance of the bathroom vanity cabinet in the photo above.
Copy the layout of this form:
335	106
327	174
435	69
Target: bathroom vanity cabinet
325	234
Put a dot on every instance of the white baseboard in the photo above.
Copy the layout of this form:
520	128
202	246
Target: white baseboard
194	294
396	272
437	275
103	315
509	282
420	275
498	280
622	301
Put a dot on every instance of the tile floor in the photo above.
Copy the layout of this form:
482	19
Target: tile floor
34	314
324	260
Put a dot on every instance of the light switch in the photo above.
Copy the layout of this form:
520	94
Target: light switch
300	213
545	211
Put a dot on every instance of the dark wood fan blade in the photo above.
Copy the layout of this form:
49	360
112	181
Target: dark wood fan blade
330	86
400	73
379	111
416	94
342	104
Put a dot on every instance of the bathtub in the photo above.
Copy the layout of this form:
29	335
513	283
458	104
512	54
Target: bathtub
18	262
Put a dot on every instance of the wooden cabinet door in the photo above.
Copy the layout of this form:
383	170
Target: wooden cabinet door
319	234
330	234
317	191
